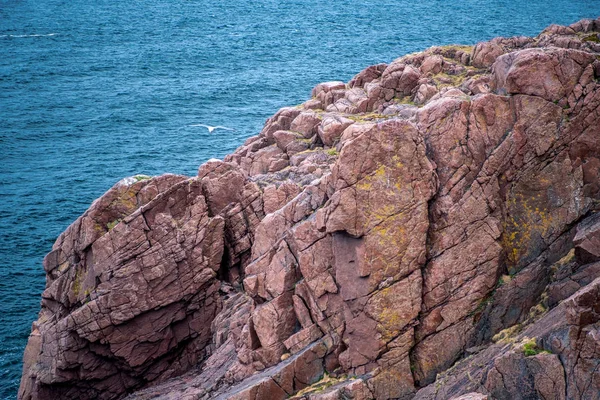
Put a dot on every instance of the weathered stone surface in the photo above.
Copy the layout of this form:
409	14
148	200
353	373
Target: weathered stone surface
331	129
306	123
486	53
281	121
329	92
471	396
587	240
436	219
424	93
519	72
367	75
400	77
300	340
118	310
555	357
275	197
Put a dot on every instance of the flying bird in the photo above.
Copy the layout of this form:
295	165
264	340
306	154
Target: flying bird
212	128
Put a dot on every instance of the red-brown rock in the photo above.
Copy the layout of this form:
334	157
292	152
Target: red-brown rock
452	240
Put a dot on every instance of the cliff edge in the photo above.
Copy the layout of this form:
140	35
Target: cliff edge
429	230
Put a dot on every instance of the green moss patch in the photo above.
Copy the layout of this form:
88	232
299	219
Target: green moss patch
594	37
112	224
367	117
530	348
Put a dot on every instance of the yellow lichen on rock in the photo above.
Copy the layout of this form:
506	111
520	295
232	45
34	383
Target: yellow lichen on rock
524	223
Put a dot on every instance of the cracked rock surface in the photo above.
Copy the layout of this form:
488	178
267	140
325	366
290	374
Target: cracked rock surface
429	230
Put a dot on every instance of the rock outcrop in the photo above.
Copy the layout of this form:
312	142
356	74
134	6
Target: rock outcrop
429	230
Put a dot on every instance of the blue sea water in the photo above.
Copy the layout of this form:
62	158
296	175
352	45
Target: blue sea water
93	91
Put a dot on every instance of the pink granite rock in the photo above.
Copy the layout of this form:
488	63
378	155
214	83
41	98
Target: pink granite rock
331	129
367	75
128	303
519	72
388	244
306	124
587	240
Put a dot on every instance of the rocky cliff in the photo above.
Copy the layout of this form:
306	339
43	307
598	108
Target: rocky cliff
428	230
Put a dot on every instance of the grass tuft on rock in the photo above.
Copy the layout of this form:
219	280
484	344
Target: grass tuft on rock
530	348
321	385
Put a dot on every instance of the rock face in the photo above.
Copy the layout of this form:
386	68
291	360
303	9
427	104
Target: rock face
428	231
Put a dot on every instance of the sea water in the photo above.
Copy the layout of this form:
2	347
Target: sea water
93	91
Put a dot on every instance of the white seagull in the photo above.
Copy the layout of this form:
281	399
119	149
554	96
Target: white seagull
212	128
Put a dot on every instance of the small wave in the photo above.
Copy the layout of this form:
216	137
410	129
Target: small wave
28	36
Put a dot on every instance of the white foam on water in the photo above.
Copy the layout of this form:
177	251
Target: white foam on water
28	36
